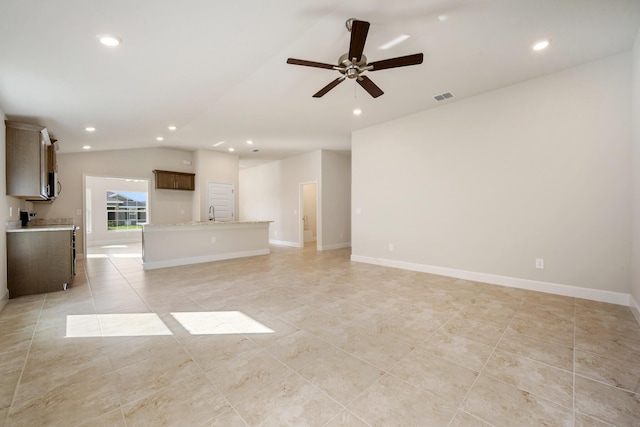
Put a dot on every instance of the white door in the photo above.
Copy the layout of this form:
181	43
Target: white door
220	195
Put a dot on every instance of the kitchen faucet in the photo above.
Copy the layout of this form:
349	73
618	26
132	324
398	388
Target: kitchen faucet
212	213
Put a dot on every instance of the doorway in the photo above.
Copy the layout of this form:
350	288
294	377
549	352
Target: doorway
309	214
114	211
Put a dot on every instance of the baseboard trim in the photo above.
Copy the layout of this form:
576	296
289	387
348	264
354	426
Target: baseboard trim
618	298
635	308
285	243
207	258
4	299
334	246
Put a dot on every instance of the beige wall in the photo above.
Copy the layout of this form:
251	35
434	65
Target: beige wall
310	210
166	206
4	215
7	205
486	185
336	200
635	253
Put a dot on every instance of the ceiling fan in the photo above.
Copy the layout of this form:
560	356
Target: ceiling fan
353	64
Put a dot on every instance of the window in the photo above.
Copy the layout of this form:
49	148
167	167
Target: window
126	210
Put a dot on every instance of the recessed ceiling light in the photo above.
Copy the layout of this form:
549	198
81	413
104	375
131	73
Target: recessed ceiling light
90	129
541	45
249	142
357	112
394	42
172	128
232	149
109	40
217	144
443	18
159	138
86	147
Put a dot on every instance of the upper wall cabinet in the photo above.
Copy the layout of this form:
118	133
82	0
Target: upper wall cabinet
27	176
169	180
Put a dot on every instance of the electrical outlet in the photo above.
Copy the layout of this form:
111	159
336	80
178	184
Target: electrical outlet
540	263
390	247
213	239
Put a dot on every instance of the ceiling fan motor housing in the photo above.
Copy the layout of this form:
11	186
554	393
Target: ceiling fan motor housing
351	69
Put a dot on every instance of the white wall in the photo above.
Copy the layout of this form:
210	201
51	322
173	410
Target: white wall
98	186
166	206
213	166
271	192
635	252
488	184
336	200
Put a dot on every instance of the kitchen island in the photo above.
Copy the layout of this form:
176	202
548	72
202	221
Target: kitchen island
170	245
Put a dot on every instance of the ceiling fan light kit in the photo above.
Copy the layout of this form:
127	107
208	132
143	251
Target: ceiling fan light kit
354	63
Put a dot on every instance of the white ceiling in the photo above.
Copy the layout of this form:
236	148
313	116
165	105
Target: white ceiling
217	70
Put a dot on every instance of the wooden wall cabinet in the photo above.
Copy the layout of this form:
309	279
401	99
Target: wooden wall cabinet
26	151
169	180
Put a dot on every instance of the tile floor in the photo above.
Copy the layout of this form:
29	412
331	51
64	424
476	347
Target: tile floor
301	337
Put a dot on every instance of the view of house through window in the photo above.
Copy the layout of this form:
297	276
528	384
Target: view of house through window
126	210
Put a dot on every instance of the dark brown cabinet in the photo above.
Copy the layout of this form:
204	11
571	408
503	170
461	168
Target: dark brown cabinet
39	261
27	161
169	180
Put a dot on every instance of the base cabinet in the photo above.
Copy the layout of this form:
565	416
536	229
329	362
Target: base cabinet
39	261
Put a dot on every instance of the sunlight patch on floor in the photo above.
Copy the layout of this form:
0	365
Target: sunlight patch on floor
220	322
115	325
150	324
126	255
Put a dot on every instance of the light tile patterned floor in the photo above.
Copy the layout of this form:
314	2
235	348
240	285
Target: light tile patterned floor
301	337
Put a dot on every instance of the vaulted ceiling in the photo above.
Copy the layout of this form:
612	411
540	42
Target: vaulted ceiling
217	70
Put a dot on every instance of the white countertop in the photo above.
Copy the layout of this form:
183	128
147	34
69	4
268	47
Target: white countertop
201	225
49	227
192	223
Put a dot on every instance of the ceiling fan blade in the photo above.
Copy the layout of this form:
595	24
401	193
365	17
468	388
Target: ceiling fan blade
369	86
328	87
359	30
294	61
401	61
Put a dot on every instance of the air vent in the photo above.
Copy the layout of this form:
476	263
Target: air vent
443	96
